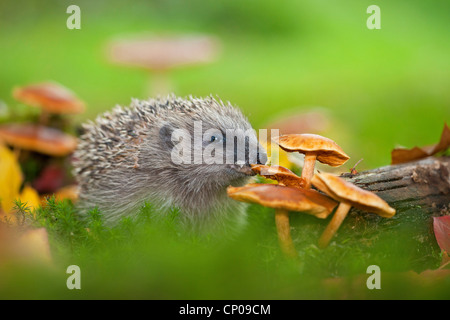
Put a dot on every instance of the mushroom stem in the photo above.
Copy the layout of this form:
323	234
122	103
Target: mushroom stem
334	224
17	152
44	118
160	84
308	169
284	232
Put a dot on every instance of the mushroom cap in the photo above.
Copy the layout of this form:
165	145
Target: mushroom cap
287	198
51	97
281	174
38	138
298	120
70	192
158	53
327	150
344	191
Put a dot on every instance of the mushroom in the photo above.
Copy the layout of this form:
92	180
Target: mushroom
70	192
159	54
298	120
284	199
38	138
349	196
284	176
314	147
51	97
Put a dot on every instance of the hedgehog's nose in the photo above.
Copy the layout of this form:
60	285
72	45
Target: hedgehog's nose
262	156
258	156
254	153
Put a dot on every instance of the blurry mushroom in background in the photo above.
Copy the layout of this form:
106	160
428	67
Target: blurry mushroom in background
38	138
284	199
349	196
24	245
314	147
284	176
314	120
51	98
68	192
160	54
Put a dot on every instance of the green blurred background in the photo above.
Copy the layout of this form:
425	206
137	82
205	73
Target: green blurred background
384	87
380	88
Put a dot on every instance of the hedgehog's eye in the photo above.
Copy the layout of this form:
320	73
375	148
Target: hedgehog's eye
216	139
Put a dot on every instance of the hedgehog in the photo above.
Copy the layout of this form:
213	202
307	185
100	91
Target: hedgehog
168	152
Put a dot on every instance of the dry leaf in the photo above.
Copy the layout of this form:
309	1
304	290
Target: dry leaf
10	182
34	245
30	197
10	178
280	156
441	226
276	155
19	245
402	155
50	179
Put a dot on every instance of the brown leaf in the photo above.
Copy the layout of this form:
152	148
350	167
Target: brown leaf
33	245
50	179
402	155
441	226
24	246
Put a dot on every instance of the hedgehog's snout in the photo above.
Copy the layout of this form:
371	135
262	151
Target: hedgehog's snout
261	156
254	153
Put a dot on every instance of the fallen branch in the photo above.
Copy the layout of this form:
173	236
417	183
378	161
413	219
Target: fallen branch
421	184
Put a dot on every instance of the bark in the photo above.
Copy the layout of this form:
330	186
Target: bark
423	184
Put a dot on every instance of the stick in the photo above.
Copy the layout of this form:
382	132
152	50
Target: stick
424	183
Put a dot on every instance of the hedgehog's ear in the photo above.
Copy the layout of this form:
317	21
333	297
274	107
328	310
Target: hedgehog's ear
165	135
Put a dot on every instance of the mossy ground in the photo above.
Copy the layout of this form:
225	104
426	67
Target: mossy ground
155	258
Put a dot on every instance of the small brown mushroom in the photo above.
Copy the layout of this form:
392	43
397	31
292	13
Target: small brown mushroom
349	196
284	176
38	138
284	199
51	97
314	147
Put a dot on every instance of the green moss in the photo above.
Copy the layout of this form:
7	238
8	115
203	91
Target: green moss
156	258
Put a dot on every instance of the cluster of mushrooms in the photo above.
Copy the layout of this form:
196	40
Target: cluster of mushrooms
294	193
53	100
44	137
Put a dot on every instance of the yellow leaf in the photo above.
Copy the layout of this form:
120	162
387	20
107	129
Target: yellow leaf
10	178
30	197
278	157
